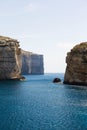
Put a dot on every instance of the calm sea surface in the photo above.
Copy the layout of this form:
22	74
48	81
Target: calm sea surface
39	104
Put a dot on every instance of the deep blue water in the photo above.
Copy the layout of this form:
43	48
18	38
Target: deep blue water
39	104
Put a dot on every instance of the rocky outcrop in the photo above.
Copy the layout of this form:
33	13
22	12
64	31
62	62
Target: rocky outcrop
32	63
56	80
10	59
76	70
14	61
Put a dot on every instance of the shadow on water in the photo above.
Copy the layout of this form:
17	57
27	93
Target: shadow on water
76	87
10	84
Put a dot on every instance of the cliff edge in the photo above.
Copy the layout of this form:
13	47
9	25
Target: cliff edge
76	70
32	63
10	55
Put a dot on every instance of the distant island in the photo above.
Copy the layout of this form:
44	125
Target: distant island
14	61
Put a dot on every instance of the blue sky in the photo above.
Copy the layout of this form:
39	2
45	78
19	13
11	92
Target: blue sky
48	27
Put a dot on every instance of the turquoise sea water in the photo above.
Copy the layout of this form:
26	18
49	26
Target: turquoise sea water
39	104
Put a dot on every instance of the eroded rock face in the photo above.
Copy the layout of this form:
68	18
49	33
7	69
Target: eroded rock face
76	70
10	59
32	63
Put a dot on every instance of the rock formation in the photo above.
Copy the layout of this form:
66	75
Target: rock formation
14	61
10	59
32	63
56	80
76	70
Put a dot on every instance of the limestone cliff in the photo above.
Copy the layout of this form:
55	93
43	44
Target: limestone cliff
76	70
32	63
10	55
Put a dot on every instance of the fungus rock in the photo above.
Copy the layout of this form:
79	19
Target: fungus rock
76	70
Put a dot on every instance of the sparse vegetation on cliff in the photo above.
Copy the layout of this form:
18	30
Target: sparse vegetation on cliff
80	47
